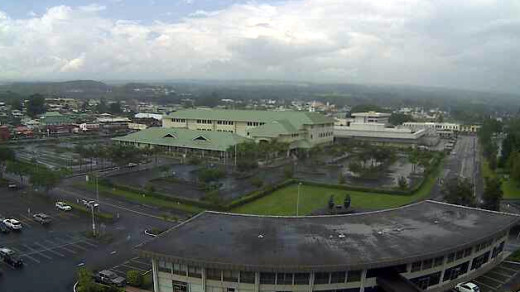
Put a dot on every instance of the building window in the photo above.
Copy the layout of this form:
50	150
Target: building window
165	267
194	272
247	277
284	278
451	257
479	261
337	277
179	286
301	279
321	278
230	276
467	252
424	282
438	261
427	264
416	266
214	274
267	278
460	254
455	272
179	269
354	276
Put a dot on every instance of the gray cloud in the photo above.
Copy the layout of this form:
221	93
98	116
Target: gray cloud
467	43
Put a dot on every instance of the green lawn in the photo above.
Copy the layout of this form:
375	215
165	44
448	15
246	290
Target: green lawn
510	187
283	201
148	200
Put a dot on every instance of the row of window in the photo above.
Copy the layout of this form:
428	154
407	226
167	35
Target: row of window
454	256
179	120
483	245
204	122
225	123
427	264
337	277
255	124
326	134
230	131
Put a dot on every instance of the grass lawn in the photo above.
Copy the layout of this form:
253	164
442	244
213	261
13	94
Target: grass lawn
510	187
283	201
147	200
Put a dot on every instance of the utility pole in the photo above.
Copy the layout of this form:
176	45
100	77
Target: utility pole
298	201
97	188
93	220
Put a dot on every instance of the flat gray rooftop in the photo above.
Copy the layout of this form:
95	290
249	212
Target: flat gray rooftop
375	239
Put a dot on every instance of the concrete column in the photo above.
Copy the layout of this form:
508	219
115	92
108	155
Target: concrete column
311	281
257	281
363	278
203	279
155	276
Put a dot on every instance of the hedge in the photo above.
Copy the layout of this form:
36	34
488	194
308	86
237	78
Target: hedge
101	215
158	195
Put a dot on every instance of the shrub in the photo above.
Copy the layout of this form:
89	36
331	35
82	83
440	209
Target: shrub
341	178
194	160
245	165
402	182
134	278
207	175
288	171
257	182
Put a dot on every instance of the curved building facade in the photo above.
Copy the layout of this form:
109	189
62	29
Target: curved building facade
429	245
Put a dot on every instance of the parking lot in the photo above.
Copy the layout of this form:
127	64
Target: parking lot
495	279
144	266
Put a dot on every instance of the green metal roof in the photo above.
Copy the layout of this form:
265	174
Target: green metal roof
55	118
174	137
297	119
273	129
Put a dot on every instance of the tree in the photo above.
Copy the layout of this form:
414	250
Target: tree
15	104
46	178
402	182
6	154
85	281
331	202
514	166
134	278
492	194
341	178
17	168
115	108
347	201
413	158
35	105
459	191
101	107
398	119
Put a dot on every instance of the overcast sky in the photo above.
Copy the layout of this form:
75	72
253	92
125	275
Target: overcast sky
473	44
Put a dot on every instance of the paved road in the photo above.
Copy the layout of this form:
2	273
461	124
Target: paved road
464	162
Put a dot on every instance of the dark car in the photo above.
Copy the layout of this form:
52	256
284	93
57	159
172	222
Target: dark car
110	278
42	218
4	228
10	258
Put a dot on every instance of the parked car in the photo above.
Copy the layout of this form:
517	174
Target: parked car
13	224
110	278
467	287
4	228
63	206
9	257
90	203
12	185
42	218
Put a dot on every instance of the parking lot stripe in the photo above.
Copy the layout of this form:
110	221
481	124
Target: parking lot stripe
27	256
85	241
141	262
492	280
507	269
49	249
61	246
33	251
482	284
133	268
26	219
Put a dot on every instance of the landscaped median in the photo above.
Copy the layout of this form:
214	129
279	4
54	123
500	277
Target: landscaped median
151	199
510	188
97	214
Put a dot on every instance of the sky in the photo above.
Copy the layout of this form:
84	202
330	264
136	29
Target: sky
467	44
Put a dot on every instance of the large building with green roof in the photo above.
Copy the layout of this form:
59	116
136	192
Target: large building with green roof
183	141
300	129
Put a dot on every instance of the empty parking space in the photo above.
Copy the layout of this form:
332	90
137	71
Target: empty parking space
49	249
137	263
494	279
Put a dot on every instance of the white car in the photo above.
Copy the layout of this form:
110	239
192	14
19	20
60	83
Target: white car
467	287
13	224
62	206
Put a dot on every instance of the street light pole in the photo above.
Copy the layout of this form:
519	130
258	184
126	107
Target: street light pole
97	188
298	201
93	220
